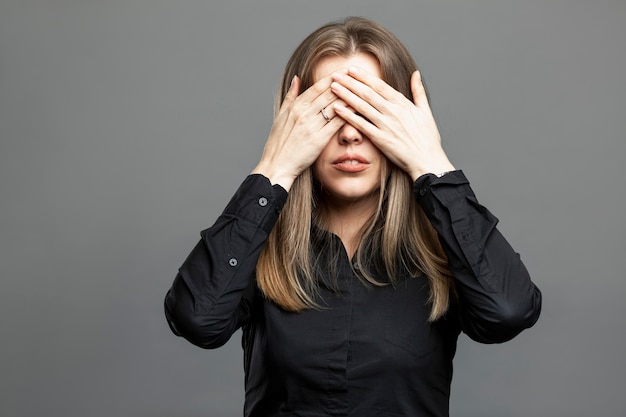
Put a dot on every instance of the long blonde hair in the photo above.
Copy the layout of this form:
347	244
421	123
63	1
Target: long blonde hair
398	233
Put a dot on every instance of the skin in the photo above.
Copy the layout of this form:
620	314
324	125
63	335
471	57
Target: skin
404	131
368	119
299	132
349	166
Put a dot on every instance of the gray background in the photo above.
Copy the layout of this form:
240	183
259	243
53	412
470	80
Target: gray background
125	127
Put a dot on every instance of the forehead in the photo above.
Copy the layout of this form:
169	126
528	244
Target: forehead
330	64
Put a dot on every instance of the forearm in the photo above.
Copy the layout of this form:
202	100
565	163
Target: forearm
206	302
497	299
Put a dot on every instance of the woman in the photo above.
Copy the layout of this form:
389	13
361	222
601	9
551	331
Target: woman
355	253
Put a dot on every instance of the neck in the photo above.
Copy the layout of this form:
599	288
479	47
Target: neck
346	219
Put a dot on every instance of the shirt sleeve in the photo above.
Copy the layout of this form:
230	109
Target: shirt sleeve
496	297
211	295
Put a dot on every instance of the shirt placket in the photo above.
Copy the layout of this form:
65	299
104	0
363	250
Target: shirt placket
339	349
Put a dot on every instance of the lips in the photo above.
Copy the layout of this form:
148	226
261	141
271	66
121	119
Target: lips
351	163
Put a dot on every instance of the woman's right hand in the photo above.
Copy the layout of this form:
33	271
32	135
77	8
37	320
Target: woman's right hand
299	132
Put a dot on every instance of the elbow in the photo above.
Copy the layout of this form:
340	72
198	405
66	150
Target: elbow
516	318
196	333
507	319
203	331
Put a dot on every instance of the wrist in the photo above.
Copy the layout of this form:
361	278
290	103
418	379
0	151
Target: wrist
274	176
438	170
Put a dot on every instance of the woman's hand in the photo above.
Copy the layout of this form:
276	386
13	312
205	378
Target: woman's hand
300	132
404	131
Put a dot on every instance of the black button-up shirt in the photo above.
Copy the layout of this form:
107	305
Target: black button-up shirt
370	351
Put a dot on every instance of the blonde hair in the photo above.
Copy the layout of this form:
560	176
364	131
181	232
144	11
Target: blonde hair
398	233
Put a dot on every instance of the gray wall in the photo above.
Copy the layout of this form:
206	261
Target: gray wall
126	125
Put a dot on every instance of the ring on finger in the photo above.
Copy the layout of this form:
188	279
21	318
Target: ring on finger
325	115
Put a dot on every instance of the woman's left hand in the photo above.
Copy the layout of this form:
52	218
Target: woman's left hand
404	131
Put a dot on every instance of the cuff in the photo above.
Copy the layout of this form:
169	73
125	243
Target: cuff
258	201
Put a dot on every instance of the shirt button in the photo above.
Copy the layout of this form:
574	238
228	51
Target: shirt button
262	201
423	191
232	262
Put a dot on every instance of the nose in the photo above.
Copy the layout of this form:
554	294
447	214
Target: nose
349	135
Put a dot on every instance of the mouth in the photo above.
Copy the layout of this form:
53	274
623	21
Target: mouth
351	163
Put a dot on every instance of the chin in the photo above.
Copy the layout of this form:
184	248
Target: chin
351	194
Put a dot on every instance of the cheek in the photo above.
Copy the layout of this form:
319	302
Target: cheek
374	151
318	165
325	155
315	168
322	168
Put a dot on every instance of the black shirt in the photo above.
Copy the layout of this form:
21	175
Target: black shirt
370	351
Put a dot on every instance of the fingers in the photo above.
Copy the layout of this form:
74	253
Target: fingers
328	112
308	104
304	109
366	93
369	87
354	118
417	88
292	93
311	113
358	94
358	104
332	126
321	89
313	110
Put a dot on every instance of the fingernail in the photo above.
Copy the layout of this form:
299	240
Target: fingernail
353	70
292	80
